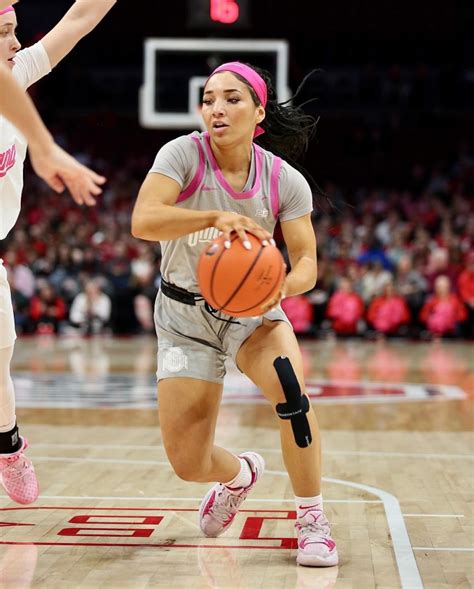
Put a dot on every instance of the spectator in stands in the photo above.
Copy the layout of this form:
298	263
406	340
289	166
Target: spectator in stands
373	280
388	311
90	310
299	311
410	284
20	275
146	277
374	253
47	310
345	309
438	265
466	291
398	246
443	311
21	304
123	291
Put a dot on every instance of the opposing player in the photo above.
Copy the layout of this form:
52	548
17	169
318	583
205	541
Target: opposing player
221	181
28	66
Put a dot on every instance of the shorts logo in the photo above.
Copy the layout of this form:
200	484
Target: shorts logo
175	360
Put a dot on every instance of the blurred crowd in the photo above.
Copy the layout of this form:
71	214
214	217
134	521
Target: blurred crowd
392	262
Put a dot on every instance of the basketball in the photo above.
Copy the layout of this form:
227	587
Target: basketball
237	281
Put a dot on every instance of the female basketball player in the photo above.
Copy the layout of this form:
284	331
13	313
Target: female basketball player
221	181
28	66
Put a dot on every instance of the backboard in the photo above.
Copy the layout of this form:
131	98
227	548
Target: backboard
175	71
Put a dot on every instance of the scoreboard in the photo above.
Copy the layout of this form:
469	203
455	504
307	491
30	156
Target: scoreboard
218	14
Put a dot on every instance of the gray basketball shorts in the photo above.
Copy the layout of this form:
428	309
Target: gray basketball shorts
192	343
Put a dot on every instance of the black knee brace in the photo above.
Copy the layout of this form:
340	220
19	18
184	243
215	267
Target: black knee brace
296	406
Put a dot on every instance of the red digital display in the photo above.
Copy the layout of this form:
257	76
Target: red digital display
224	11
218	14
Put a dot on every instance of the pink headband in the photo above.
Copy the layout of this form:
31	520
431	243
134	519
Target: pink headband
7	9
252	77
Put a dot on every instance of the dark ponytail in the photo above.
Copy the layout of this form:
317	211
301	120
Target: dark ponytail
288	129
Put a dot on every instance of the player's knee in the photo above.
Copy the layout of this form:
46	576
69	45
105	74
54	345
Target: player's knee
5	359
189	472
186	465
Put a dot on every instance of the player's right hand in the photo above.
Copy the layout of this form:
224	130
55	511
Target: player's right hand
60	170
228	222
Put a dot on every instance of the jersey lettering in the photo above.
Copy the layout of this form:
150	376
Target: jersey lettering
203	236
7	160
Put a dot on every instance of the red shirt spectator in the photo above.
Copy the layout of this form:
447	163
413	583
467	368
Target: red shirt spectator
300	313
389	311
345	308
466	282
47	309
443	311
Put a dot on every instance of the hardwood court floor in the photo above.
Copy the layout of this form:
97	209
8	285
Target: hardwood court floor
397	449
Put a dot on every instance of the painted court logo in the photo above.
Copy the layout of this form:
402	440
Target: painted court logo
7	160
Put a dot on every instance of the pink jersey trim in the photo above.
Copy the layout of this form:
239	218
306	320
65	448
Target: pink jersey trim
223	182
199	175
274	186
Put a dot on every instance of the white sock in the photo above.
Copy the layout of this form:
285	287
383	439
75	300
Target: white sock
305	504
243	477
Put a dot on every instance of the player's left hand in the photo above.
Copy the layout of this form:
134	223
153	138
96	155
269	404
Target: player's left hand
276	300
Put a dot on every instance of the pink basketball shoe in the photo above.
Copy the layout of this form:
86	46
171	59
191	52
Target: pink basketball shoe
219	507
316	548
18	477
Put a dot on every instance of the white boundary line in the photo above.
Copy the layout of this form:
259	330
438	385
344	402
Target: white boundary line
407	567
433	549
433	515
275	451
101	460
197	499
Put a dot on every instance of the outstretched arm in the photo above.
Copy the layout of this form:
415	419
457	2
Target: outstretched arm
155	217
50	162
79	20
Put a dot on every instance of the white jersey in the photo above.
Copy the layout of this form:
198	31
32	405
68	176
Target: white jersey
31	65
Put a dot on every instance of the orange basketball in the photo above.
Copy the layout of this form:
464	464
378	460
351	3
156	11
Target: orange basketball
237	281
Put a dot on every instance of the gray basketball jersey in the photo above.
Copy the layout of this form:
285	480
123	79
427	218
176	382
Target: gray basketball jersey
274	190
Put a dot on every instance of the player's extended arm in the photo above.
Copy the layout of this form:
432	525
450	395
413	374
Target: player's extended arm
50	162
6	3
155	217
18	108
79	20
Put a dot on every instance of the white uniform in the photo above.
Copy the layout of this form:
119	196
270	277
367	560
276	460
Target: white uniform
31	65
